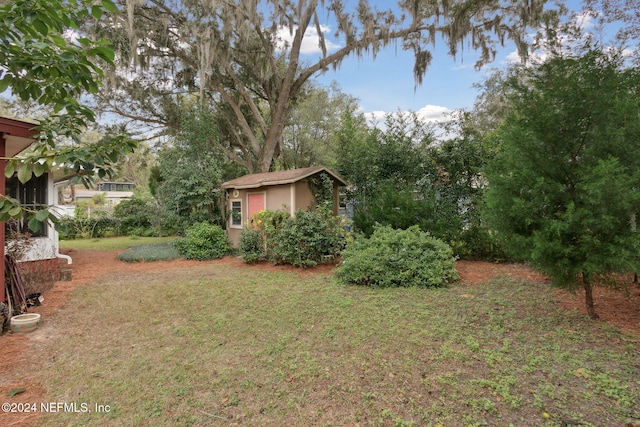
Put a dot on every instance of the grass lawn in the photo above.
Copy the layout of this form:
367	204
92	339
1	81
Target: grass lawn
112	243
218	345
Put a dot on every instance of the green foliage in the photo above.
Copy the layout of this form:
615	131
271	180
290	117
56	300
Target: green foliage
395	206
302	240
203	241
135	215
150	252
400	178
563	188
306	238
479	243
321	187
186	182
87	228
393	258
308	139
252	86
38	63
99	199
252	247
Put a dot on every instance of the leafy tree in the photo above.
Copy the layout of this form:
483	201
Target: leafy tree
625	17
563	189
244	58
136	215
383	168
186	182
309	138
39	63
455	184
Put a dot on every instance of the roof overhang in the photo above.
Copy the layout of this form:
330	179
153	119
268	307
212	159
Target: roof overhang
270	179
18	135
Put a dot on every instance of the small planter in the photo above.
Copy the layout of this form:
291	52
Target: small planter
25	322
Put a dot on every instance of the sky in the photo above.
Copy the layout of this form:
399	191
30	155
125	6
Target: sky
387	85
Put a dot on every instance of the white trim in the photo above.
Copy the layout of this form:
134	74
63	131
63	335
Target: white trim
292	204
231	224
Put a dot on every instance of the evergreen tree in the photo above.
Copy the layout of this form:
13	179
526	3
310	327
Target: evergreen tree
563	189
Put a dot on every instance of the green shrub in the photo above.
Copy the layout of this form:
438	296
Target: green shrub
305	239
203	241
395	258
87	228
150	252
135	215
477	243
252	245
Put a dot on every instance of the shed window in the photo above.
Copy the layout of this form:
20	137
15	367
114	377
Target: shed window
236	213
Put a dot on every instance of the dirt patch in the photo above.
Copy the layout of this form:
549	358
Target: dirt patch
16	371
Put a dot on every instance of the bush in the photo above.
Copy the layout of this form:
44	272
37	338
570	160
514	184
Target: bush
203	241
305	239
252	245
477	243
150	252
87	228
136	216
397	258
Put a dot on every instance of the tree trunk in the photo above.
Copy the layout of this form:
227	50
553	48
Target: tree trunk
588	296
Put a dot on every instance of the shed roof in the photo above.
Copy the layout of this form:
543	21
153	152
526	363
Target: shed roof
277	178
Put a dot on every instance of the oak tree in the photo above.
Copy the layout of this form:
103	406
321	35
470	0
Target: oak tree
246	58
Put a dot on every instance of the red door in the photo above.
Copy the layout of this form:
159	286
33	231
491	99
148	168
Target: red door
255	203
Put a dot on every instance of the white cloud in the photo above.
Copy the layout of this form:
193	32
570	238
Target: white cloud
310	40
433	114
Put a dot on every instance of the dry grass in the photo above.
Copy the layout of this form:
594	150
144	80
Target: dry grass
217	345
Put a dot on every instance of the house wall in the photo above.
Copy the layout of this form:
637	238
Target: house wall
44	247
304	198
279	198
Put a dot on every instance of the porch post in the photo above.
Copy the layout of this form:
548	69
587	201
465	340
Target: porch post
3	189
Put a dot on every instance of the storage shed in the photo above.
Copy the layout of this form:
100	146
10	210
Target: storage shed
287	190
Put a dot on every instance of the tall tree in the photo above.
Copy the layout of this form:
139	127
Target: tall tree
190	172
625	14
563	189
309	138
384	168
246	57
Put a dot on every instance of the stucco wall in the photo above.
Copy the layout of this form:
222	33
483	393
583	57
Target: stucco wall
304	198
279	198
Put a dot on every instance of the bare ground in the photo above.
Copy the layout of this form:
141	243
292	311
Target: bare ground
18	369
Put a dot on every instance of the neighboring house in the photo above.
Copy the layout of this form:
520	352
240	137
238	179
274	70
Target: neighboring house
114	192
284	190
15	137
